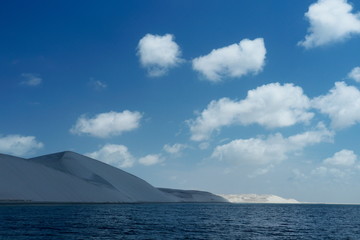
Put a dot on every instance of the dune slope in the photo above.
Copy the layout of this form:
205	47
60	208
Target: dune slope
129	188
71	177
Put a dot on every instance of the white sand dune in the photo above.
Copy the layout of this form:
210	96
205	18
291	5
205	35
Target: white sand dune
71	177
256	198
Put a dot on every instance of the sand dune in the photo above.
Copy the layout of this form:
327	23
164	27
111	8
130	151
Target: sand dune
71	177
256	198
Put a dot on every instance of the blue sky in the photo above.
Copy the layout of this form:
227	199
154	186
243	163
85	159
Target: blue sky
246	96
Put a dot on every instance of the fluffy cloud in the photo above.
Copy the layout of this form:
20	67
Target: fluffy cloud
273	149
19	145
342	104
345	158
115	155
340	165
31	79
107	124
158	53
355	74
174	149
330	21
151	159
272	105
234	60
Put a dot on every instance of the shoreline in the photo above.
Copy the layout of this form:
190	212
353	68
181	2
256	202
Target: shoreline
24	203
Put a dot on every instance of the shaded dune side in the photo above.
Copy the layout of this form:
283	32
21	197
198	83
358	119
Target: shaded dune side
23	180
192	195
129	187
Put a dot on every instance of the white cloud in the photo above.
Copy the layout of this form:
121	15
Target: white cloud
31	79
97	85
273	149
321	171
272	105
174	149
302	140
336	173
342	104
330	21
253	150
19	145
151	159
115	155
107	124
260	171
158	53
345	158
234	60
340	165
298	175
204	145
355	74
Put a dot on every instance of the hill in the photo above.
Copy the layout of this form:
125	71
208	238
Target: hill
72	177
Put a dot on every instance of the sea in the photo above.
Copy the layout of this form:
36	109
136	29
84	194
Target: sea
179	221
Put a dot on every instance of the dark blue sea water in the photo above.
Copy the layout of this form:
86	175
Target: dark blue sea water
179	221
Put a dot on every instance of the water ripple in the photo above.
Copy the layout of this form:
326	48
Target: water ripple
179	221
